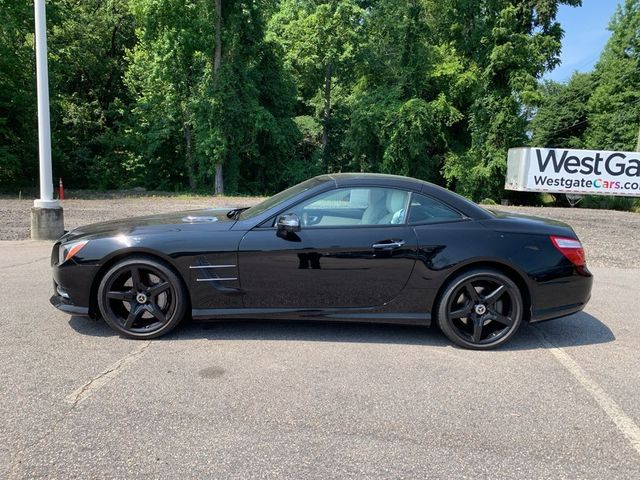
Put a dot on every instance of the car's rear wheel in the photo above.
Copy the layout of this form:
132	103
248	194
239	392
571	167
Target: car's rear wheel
142	298
480	309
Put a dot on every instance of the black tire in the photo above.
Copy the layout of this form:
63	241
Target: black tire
480	309
142	298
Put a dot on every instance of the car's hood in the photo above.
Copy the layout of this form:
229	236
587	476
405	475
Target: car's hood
213	219
521	223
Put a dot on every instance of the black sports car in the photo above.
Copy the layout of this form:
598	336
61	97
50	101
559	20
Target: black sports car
347	247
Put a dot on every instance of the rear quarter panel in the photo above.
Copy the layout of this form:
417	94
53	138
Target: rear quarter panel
446	249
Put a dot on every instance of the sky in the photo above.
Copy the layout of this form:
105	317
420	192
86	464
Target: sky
585	34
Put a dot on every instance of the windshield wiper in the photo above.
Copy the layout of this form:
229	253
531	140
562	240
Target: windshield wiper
235	212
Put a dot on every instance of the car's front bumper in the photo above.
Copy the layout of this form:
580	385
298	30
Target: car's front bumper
73	287
64	305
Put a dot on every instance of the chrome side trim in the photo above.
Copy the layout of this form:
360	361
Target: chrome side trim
215	279
212	266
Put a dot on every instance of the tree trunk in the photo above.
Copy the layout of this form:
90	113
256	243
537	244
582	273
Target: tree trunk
218	188
326	112
638	144
188	140
217	58
219	185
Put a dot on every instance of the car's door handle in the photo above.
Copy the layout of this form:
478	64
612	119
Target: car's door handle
389	245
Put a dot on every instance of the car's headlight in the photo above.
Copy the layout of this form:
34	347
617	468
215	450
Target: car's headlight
68	250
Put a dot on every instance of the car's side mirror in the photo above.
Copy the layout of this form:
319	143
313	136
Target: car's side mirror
289	222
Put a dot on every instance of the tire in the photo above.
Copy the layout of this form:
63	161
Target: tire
480	309
142	298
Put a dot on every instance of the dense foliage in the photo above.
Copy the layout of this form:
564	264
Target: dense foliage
248	96
18	136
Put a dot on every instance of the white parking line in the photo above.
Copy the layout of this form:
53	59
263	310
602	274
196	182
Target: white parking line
625	424
100	380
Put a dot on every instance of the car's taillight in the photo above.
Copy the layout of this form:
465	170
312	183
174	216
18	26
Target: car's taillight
570	248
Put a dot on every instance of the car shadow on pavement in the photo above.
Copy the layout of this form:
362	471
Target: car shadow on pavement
318	331
290	330
93	327
574	330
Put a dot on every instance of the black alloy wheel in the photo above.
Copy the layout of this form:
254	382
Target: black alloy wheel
480	309
141	298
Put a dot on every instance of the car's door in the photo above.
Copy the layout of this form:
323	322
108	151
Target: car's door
353	249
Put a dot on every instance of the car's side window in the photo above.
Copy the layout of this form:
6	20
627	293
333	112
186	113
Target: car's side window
354	206
424	209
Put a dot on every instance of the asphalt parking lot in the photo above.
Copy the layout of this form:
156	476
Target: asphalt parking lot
314	400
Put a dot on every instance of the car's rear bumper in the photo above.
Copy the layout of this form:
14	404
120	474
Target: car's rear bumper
557	312
563	295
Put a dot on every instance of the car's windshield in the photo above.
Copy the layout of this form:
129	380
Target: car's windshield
279	198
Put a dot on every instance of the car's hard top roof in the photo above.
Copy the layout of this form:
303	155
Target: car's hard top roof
373	178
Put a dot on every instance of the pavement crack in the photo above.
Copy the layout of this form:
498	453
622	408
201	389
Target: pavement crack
104	377
81	393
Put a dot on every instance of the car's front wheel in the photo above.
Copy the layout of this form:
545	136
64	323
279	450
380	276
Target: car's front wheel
142	298
480	309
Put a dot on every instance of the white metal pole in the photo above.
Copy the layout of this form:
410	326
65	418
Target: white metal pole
44	128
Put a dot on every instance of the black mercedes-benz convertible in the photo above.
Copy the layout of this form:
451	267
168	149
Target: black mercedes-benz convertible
346	247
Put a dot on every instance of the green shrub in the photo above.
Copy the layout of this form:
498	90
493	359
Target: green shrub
625	204
547	199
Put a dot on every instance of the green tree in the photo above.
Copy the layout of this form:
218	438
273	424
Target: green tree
166	71
511	43
562	115
252	95
18	140
89	103
210	93
614	107
253	101
403	108
321	43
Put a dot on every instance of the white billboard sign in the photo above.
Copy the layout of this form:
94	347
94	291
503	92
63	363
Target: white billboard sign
563	170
